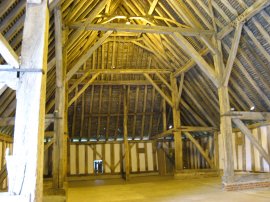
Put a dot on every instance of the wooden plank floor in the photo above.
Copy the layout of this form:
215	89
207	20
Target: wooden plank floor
167	189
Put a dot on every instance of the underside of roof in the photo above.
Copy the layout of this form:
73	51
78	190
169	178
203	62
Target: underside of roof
97	112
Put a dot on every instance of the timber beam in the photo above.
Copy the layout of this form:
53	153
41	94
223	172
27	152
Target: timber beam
185	129
178	145
240	20
200	149
168	99
76	66
8	53
125	71
200	61
83	89
53	4
164	133
139	29
8	78
10	121
96	73
259	116
59	143
147	19
112	83
191	63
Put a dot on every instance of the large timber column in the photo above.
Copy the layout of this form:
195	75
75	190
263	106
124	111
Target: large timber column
177	125
59	156
25	167
224	102
125	126
226	133
225	121
223	74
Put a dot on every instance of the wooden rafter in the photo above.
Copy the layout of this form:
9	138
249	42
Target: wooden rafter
246	15
190	19
83	89
94	12
8	53
75	67
152	7
205	67
168	99
164	80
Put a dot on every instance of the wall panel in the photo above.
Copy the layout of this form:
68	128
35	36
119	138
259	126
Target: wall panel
246	156
142	157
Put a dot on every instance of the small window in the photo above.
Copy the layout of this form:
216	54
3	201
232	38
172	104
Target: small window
98	166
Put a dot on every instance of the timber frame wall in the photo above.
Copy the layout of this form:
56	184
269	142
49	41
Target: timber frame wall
246	157
145	157
26	175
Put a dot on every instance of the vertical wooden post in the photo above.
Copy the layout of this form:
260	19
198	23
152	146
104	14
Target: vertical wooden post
226	134
224	103
66	136
59	124
216	150
25	167
176	124
164	114
127	161
225	121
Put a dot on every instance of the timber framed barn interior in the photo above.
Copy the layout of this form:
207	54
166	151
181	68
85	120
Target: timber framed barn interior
148	97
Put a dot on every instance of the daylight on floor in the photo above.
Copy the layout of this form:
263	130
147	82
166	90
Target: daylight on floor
134	100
